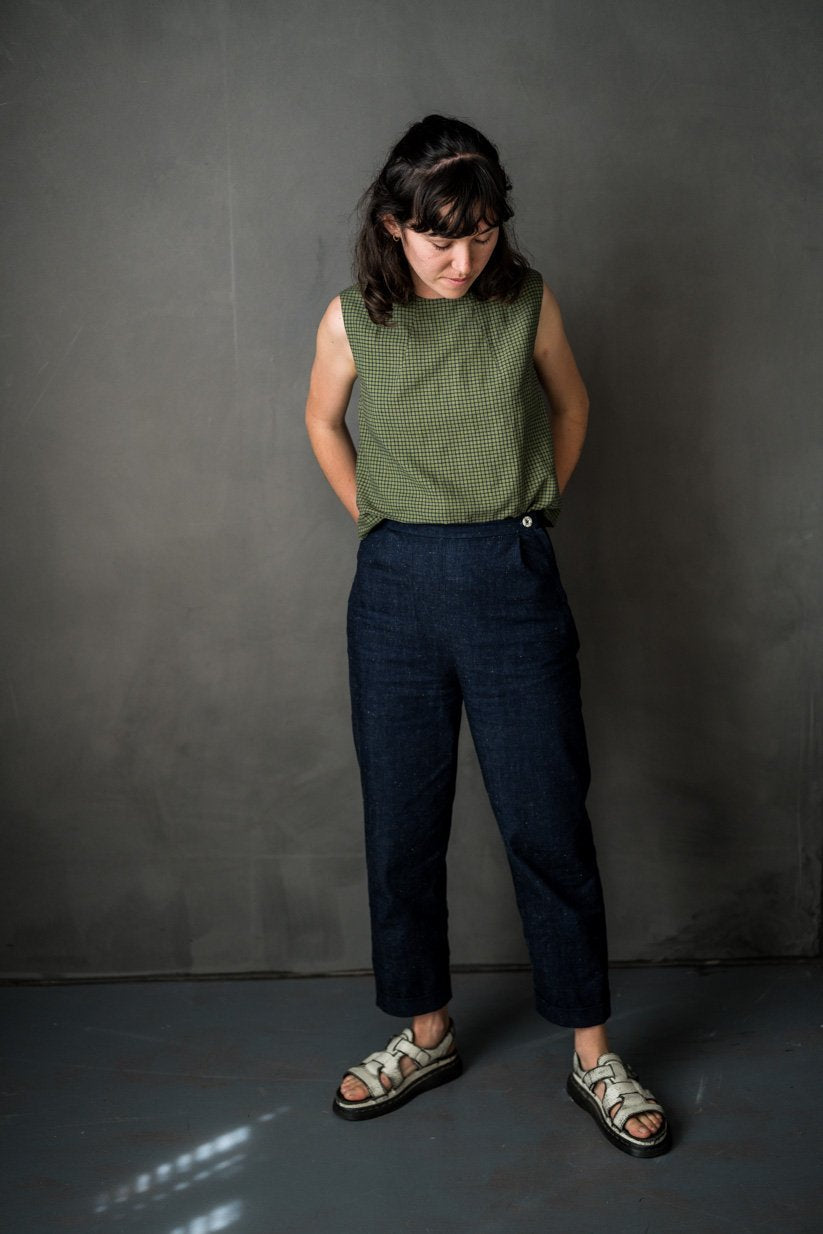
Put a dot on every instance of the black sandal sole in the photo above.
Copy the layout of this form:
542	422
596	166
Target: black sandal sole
637	1149
357	1112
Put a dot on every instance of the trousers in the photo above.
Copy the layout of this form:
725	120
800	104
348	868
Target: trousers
442	616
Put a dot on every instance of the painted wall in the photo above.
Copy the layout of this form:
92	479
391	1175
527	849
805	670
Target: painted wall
179	787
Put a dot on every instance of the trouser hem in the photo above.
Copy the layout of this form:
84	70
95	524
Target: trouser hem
580	1017
421	1005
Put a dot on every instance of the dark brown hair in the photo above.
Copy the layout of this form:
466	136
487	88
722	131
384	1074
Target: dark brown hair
444	177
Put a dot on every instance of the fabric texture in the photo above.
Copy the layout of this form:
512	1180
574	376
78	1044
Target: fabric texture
445	615
453	422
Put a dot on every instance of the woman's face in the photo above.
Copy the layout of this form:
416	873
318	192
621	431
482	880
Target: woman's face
442	267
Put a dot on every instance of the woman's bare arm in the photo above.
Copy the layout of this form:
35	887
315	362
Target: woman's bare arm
564	386
333	375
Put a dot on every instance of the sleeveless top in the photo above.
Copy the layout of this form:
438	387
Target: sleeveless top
452	420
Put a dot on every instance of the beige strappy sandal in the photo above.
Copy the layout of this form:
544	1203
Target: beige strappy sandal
623	1085
435	1066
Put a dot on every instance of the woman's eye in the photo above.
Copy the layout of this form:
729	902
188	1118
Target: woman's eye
442	247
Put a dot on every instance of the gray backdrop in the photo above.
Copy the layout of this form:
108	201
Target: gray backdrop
180	791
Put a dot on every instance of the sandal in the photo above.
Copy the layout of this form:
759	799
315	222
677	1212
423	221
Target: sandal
435	1066
622	1084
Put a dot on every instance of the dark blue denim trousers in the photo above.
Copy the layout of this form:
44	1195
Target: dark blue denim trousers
445	615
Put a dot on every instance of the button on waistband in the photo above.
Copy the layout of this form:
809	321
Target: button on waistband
527	520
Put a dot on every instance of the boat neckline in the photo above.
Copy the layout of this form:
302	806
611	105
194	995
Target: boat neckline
442	299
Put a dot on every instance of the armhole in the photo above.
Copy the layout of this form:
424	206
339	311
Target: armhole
352	309
537	304
344	309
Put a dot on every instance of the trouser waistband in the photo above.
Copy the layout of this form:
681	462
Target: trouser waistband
487	527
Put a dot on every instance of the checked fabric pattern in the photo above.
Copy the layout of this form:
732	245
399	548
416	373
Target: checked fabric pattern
453	422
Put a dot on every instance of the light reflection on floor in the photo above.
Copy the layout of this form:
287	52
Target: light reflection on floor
217	1219
92	1120
215	1158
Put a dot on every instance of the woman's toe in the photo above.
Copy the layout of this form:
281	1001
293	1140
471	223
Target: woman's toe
641	1126
353	1089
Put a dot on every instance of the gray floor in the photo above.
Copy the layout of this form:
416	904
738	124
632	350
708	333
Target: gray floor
189	1107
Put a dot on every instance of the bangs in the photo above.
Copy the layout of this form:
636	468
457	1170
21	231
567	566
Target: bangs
456	196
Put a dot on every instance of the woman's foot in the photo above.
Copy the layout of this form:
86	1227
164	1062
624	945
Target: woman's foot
427	1030
590	1043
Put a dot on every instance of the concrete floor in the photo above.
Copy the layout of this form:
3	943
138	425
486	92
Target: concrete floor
189	1107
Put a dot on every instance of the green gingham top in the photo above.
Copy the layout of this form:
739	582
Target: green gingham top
452	421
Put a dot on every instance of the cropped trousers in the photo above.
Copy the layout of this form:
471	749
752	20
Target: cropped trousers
443	616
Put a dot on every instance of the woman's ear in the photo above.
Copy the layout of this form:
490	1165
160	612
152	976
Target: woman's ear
391	226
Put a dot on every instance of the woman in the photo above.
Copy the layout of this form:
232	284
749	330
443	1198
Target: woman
456	601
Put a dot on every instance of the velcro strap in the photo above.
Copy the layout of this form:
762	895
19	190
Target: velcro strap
370	1069
621	1085
633	1104
388	1061
604	1072
421	1057
616	1091
368	1078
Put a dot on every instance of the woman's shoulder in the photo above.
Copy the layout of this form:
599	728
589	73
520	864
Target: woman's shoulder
350	297
333	313
524	295
533	282
332	323
354	313
332	338
524	289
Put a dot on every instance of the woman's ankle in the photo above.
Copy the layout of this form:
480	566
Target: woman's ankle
590	1043
429	1029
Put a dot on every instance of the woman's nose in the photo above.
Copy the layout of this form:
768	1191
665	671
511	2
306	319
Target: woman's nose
461	262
